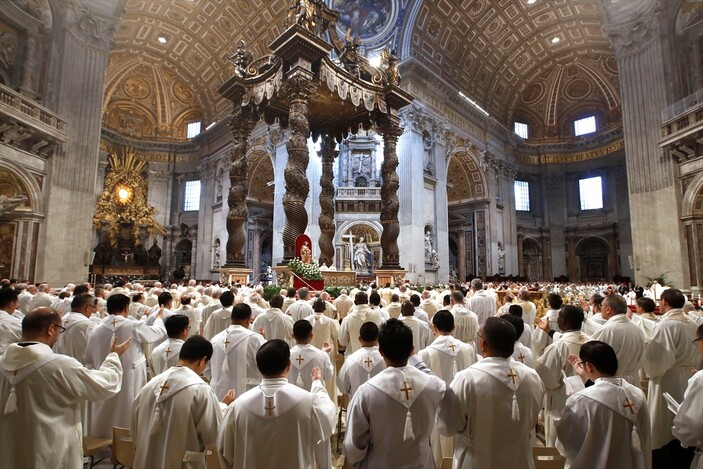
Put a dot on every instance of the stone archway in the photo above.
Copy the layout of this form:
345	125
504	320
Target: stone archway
532	260
592	254
371	233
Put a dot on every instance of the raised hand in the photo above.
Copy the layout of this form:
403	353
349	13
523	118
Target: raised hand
326	347
261	331
316	374
229	397
119	349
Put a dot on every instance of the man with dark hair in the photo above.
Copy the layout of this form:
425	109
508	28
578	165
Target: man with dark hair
220	319
446	355
391	416
78	327
422	336
233	364
362	365
419	312
375	305
553	364
10	326
277	411
669	357
274	323
289	300
137	308
540	339
359	314
593	314
165	355
482	303
393	308
623	336
612	405
119	326
465	321
520	353
176	415
325	330
42	393
498	403
304	357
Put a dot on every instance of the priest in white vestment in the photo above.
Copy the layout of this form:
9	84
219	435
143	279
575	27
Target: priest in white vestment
194	313
220	319
42	393
233	364
118	326
688	425
78	326
361	313
212	306
391	416
465	321
669	358
606	424
343	304
498	403
429	305
301	308
10	326
325	329
481	303
553	365
165	355
276	424
623	336
521	353
274	322
540	339
422	336
393	308
362	365
176	415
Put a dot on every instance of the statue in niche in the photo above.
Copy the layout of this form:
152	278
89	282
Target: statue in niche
501	258
185	231
305	253
427	144
428	247
361	257
434	259
154	254
216	254
218	186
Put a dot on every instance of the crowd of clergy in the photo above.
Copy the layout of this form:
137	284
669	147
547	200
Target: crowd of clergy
456	372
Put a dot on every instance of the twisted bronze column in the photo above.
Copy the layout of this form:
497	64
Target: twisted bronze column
239	187
326	219
390	129
297	186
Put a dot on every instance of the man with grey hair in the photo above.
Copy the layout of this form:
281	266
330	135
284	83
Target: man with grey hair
481	303
626	338
211	307
42	299
343	304
330	310
301	308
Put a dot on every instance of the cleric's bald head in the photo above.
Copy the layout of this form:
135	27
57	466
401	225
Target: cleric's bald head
36	322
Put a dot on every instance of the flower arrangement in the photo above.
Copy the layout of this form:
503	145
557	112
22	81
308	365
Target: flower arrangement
305	271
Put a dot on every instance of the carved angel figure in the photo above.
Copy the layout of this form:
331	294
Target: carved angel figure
241	60
304	13
390	65
8	204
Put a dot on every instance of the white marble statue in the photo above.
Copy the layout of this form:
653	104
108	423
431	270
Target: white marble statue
361	260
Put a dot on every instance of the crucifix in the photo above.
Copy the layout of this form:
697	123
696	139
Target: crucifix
300	359
164	387
629	405
406	389
368	362
521	357
167	351
227	342
114	321
269	409
452	346
512	375
350	237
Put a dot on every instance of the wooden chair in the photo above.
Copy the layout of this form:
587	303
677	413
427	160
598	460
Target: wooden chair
93	446
547	458
122	448
213	461
446	463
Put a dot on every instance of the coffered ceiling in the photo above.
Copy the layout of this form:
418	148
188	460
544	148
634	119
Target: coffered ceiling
509	56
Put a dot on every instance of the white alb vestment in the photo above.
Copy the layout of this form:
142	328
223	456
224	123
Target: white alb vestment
217	322
165	355
41	397
351	325
343	304
393	310
194	318
606	425
465	325
276	325
401	403
73	340
422	336
524	355
483	304
540	339
529	312
358	368
325	329
446	356
552	366
646	325
627	340
668	360
207	311
174	417
114	412
276	424
688	425
299	310
430	306
233	363
498	403
10	330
